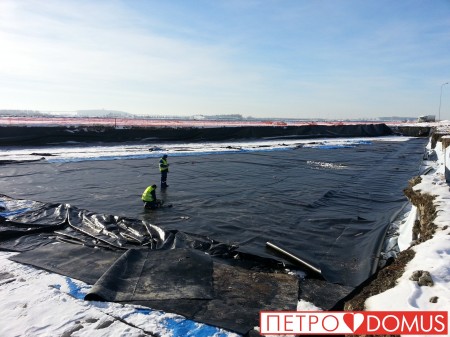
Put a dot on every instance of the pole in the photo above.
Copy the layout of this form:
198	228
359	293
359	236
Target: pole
440	100
293	257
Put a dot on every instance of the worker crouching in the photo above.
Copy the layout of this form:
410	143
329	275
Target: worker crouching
149	198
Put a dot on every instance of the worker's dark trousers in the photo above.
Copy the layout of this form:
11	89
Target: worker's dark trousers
150	204
163	178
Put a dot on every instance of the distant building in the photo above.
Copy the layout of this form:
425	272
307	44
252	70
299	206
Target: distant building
104	113
236	117
426	118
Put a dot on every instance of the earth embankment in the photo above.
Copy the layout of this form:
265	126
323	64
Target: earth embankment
46	135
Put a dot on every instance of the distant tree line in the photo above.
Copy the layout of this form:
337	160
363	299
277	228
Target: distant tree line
22	113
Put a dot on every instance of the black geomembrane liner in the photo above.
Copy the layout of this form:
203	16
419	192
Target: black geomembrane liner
330	207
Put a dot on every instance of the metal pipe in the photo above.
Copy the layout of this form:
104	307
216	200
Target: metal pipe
293	257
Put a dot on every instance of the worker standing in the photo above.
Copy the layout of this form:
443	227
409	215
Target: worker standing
149	198
164	169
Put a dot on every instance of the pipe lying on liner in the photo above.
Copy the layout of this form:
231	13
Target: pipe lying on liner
293	257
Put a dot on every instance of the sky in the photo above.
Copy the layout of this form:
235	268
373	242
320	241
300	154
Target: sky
286	59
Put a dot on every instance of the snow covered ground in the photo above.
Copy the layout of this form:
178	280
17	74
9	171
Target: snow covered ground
432	255
77	152
37	303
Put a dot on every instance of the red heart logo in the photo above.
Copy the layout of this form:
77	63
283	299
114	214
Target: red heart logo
349	319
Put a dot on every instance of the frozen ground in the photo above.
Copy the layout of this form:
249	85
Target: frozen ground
38	303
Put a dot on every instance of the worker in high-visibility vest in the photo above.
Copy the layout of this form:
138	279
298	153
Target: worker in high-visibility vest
164	169
149	198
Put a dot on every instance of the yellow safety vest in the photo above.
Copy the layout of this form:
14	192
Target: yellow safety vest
163	165
147	195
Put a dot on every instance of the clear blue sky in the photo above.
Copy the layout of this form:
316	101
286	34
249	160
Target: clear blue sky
280	58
